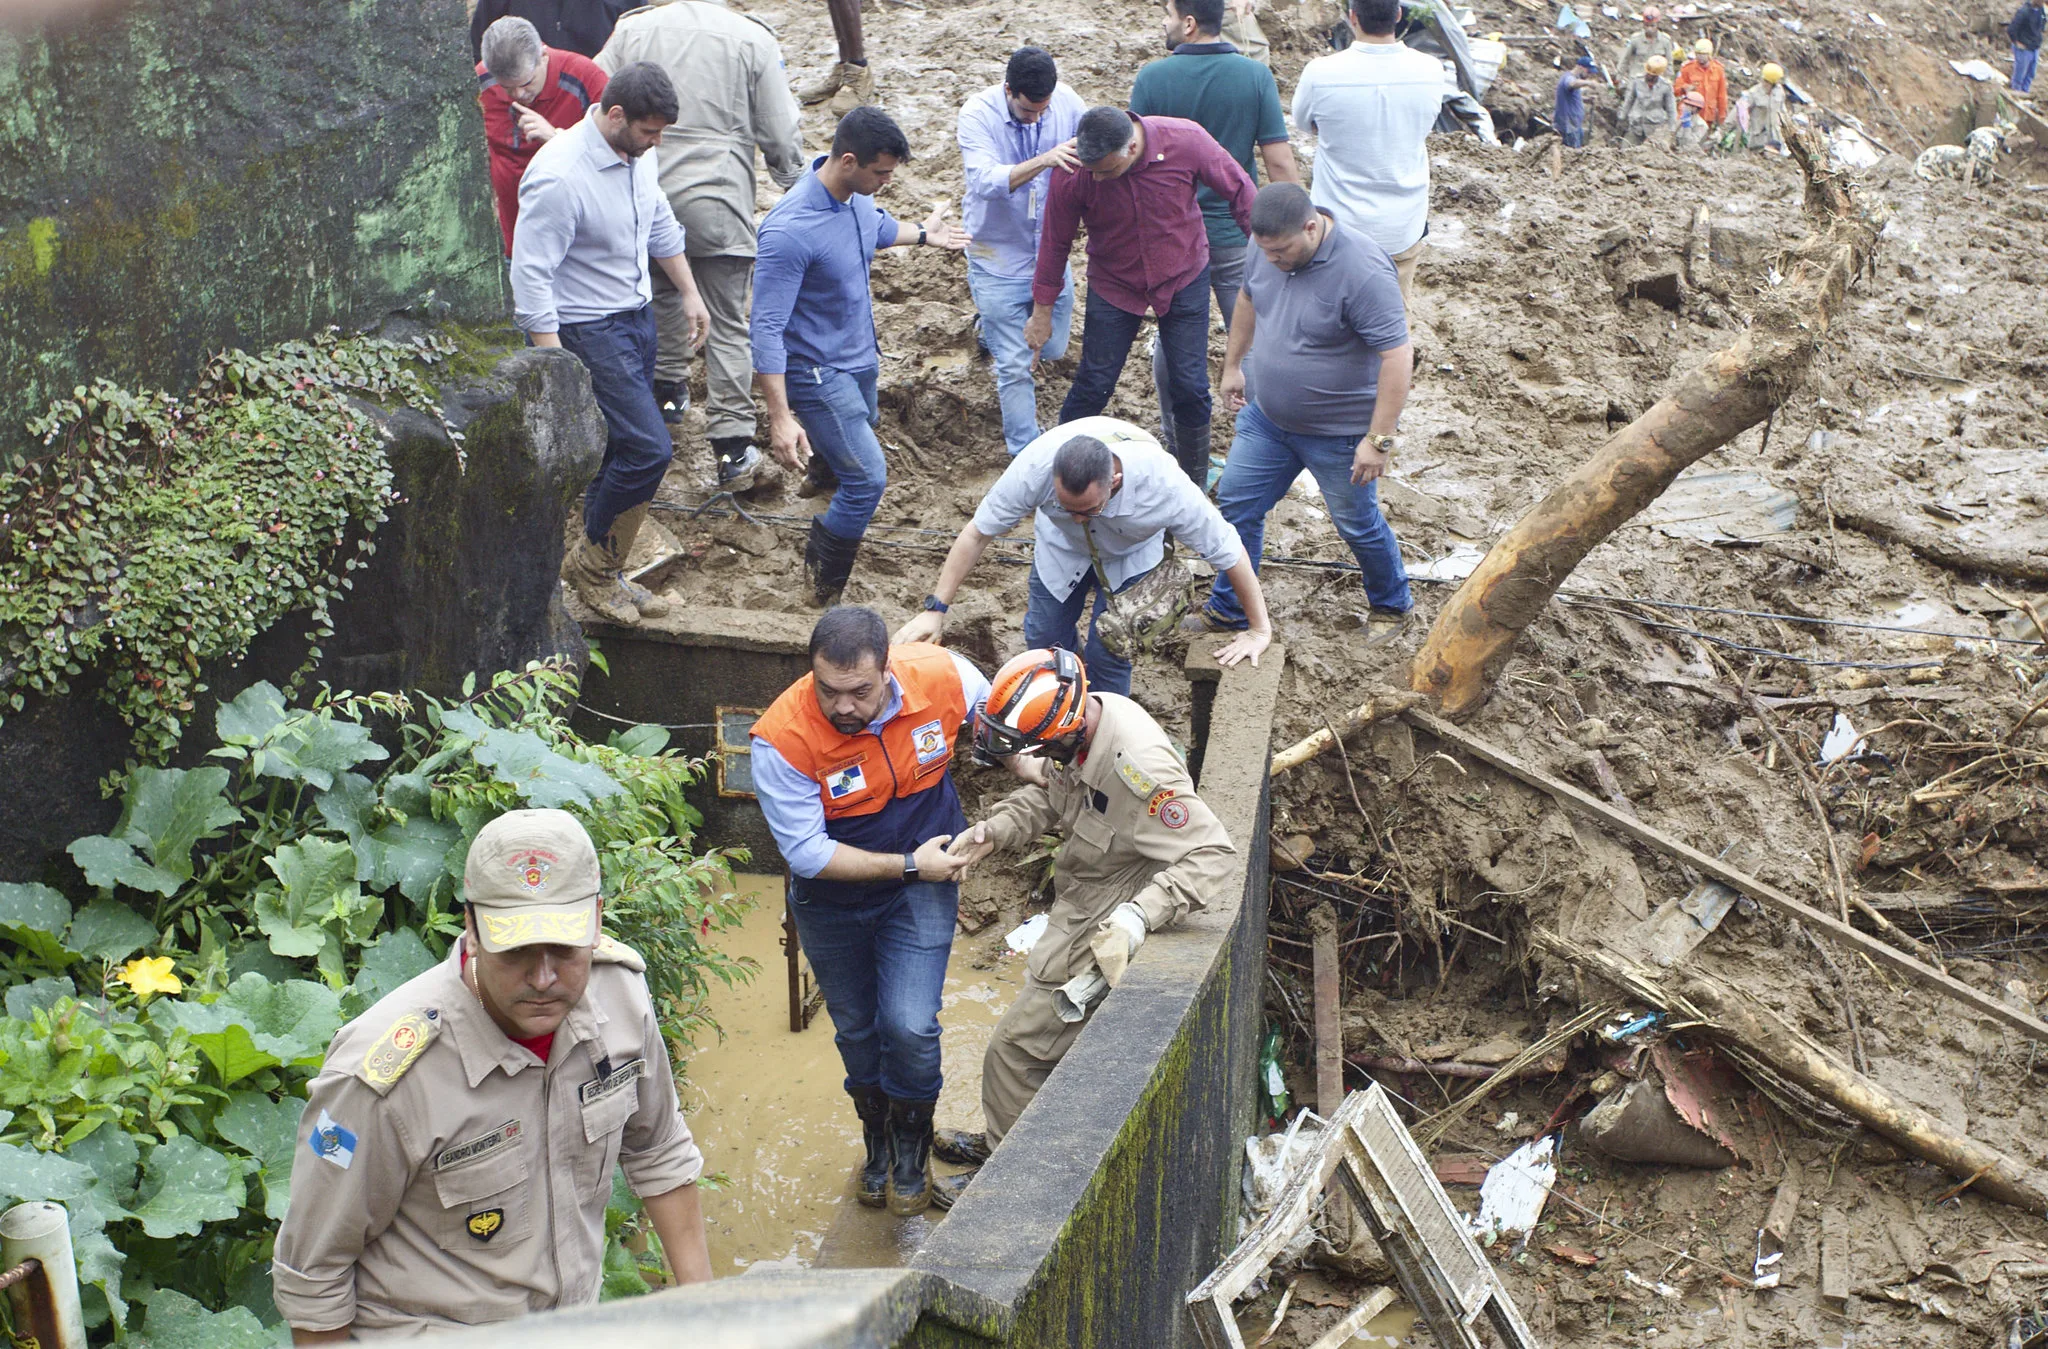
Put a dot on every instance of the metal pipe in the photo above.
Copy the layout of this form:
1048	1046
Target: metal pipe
45	1298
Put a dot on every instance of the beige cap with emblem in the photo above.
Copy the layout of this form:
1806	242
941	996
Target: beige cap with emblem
533	877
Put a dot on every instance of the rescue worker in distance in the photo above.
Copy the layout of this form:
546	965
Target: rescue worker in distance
456	1152
1139	850
852	766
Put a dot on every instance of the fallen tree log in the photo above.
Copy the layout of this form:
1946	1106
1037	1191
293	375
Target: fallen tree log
1735	389
1734	878
1378	707
1739	1020
1937	547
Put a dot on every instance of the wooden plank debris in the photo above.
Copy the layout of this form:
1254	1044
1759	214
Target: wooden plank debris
1826	924
1834	1258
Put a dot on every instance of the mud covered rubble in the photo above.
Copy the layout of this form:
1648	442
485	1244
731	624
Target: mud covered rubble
1552	310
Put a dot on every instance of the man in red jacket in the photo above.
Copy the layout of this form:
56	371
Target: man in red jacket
528	91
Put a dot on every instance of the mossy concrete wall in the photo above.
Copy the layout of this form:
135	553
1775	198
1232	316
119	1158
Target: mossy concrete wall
180	176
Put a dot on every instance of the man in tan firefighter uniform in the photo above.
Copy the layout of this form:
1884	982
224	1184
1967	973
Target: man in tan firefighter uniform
1140	849
456	1152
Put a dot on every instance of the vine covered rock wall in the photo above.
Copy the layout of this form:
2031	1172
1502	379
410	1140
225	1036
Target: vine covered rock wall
183	176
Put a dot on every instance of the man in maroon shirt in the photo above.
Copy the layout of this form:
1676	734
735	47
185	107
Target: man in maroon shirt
528	91
1147	250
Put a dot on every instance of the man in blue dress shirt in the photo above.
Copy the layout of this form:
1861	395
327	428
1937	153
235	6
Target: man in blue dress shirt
813	328
1012	136
591	214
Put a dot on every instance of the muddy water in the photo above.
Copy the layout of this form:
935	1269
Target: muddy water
770	1109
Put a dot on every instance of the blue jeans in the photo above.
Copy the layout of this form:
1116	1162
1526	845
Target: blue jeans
881	963
1106	336
618	351
837	410
1053	622
2024	63
1263	461
1005	305
1226	278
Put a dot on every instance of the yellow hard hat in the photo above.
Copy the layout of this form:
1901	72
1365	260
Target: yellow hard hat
1773	72
1656	65
1703	47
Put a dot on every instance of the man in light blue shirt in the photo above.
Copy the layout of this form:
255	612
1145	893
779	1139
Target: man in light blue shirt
1103	496
813	329
1012	136
591	214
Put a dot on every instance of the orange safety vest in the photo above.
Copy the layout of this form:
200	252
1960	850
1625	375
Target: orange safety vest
884	792
1711	79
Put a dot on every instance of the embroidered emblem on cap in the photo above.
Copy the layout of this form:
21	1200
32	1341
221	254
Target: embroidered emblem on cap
532	866
331	1142
483	1226
1173	814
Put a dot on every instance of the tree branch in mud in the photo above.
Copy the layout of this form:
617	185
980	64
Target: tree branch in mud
1733	390
1740	1021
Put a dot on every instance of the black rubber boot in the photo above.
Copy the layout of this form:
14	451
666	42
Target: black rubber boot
959	1147
1191	448
946	1189
910	1138
828	561
873	1108
672	396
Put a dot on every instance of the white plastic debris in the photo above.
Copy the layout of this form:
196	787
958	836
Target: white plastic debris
1512	1196
1025	935
1977	68
1456	565
1840	739
1270	1162
1660	1288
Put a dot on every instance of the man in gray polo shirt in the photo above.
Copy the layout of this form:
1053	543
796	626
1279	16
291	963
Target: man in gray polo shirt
1321	321
1103	496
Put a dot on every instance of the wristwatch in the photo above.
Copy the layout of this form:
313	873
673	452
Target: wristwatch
1384	444
921	234
934	605
910	866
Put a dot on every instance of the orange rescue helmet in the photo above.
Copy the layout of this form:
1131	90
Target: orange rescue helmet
1038	699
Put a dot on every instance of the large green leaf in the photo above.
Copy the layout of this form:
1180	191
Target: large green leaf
269	1132
257	1024
319	880
643	740
346	807
27	1175
170	810
25	1000
255	711
412	856
107	929
409	794
33	917
99	1265
389	962
544	778
108	862
186	1185
175	1321
316	749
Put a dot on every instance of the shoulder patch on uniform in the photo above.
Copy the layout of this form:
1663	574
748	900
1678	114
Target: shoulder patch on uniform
1141	783
1174	814
396	1050
1159	798
332	1142
612	951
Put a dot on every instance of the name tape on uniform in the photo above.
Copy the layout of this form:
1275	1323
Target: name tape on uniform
616	1080
483	1145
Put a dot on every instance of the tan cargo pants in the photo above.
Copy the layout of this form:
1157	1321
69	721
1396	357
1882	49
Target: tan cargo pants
728	356
1027	1045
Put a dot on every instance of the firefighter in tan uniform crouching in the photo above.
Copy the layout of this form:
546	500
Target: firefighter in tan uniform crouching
1139	850
456	1153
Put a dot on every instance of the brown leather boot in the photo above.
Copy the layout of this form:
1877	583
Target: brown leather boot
593	574
856	86
624	530
823	88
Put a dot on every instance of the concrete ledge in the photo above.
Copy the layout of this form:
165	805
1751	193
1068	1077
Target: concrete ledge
724	629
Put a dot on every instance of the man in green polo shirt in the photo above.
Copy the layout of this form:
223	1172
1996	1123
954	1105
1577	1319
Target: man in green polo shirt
1233	98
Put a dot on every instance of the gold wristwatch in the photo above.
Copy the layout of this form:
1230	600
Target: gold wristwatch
1384	444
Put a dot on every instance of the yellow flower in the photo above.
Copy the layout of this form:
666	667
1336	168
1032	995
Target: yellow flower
150	974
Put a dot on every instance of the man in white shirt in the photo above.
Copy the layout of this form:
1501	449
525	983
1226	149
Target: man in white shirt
1103	496
1371	107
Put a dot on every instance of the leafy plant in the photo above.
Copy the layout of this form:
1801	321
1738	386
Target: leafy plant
159	534
309	870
